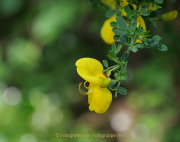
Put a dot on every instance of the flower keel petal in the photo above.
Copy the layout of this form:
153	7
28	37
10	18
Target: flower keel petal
101	99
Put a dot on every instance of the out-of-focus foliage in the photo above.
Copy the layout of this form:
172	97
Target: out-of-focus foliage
40	40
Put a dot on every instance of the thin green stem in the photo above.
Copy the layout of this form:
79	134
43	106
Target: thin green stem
137	10
119	83
132	40
125	66
115	67
128	52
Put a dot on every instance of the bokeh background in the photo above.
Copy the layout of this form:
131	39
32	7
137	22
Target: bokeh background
40	41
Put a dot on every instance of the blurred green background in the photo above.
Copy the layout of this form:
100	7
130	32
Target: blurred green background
40	41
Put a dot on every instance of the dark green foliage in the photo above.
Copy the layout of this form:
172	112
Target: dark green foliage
110	13
122	91
161	47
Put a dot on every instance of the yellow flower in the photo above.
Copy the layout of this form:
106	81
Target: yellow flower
143	25
106	30
170	16
112	3
141	21
150	7
99	98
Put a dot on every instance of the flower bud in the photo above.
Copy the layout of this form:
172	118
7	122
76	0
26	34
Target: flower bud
169	16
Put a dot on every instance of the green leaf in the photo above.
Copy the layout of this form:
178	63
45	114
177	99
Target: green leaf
134	49
122	91
141	33
139	46
161	47
112	56
116	75
139	28
121	22
145	43
124	39
119	31
111	84
118	4
113	24
157	37
133	13
118	48
105	70
105	63
133	25
110	13
145	13
124	56
114	47
143	9
127	10
157	6
124	77
159	1
174	0
116	38
119	14
115	94
151	43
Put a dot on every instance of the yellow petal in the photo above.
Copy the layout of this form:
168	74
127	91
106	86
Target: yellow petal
112	3
106	31
138	41
143	25
91	70
170	16
141	21
101	99
134	6
90	95
123	13
124	3
93	65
